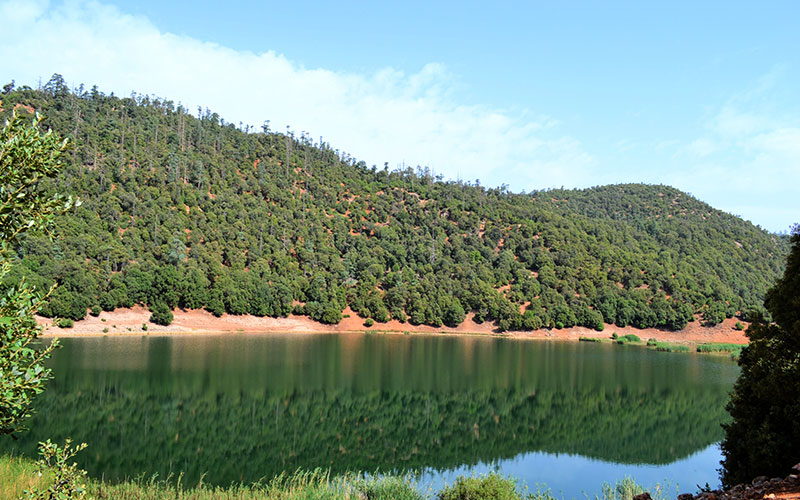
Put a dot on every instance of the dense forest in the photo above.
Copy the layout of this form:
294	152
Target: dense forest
186	210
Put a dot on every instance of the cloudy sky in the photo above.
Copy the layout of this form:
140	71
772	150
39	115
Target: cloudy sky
703	96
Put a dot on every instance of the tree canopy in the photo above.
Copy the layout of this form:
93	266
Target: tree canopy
26	158
764	436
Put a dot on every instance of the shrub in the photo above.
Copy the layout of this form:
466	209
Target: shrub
739	326
590	339
161	314
105	330
95	310
369	322
65	323
614	335
489	487
69	482
651	342
144	327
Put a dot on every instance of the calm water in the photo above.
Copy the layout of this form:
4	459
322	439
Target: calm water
240	408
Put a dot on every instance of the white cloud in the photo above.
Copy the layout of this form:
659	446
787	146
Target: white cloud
386	116
747	161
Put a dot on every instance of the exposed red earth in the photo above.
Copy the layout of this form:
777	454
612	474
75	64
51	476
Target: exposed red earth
129	321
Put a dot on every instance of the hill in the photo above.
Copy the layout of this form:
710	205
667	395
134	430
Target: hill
193	212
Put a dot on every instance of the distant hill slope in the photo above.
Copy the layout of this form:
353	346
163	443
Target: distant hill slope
192	212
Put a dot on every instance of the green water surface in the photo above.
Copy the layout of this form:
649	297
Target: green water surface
243	407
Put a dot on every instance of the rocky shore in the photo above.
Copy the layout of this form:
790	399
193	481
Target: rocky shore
761	488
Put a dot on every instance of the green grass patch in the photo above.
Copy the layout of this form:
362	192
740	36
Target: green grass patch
720	347
590	339
628	339
667	347
18	474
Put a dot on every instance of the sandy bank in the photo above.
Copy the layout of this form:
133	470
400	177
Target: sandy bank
129	321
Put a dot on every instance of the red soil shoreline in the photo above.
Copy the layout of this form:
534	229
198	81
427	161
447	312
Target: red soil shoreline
129	321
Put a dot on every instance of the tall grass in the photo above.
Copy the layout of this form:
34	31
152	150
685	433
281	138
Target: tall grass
627	339
666	346
719	347
17	475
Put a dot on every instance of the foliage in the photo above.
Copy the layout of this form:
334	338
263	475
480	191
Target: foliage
624	489
590	339
628	338
27	158
65	323
67	481
160	313
196	213
316	484
764	436
491	486
719	347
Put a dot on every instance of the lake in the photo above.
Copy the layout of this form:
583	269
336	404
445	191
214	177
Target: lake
235	408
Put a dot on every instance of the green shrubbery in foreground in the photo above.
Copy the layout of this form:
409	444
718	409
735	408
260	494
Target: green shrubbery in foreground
19	474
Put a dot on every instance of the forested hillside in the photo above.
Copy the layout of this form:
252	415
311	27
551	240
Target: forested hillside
182	209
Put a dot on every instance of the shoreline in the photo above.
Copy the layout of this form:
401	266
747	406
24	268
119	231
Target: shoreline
130	322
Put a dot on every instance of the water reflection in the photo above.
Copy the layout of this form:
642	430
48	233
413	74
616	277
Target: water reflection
239	408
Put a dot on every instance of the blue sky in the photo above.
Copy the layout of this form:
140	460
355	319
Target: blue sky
703	96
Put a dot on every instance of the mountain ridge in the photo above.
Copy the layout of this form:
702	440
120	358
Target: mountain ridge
193	212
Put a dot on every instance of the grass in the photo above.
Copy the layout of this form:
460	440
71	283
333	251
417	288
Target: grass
17	475
628	339
666	346
719	347
590	339
735	350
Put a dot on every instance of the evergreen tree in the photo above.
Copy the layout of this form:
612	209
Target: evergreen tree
764	436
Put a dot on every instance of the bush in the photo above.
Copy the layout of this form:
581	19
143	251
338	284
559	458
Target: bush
95	310
144	327
65	323
69	482
161	314
651	342
590	339
489	487
629	338
614	335
369	322
739	326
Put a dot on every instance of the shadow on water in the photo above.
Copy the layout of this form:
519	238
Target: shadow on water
241	408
